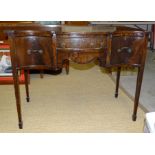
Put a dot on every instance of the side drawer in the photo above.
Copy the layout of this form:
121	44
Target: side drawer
32	51
126	49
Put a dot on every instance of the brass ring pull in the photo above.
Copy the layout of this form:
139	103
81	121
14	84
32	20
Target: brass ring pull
34	51
75	54
91	44
102	43
63	45
127	49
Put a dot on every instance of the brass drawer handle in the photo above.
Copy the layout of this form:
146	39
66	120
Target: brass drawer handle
102	43
75	54
91	44
128	49
34	51
63	45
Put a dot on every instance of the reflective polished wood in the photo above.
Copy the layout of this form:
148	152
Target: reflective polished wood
53	48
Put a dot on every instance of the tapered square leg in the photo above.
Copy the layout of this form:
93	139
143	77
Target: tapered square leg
17	95
66	63
137	93
27	85
117	81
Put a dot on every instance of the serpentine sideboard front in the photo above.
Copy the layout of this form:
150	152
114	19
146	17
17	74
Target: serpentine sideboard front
52	49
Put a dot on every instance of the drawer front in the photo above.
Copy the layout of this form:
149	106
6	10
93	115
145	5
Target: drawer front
81	41
81	48
126	50
32	51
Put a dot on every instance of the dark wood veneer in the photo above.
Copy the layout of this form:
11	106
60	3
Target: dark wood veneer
52	48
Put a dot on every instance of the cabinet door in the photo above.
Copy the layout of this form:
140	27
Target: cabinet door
127	49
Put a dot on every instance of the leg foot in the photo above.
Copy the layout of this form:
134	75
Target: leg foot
20	125
116	95
27	99
41	74
134	117
67	72
27	85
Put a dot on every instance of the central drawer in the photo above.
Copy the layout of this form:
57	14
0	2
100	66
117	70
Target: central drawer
80	48
81	41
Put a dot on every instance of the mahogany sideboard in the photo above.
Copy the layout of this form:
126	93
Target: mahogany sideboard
54	47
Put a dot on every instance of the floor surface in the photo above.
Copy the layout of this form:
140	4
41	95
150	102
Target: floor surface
82	101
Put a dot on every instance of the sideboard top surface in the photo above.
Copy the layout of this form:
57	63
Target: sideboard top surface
66	28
